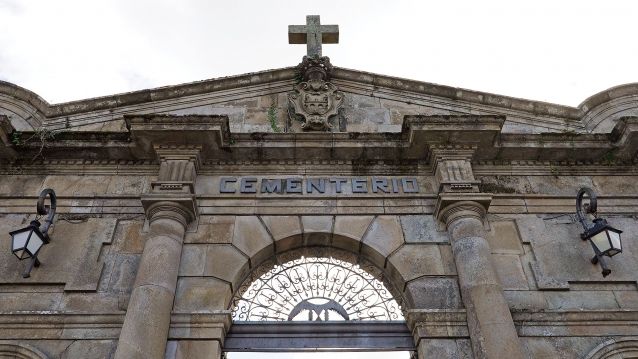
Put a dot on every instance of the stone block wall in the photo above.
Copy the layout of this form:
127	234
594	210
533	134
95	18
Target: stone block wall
561	305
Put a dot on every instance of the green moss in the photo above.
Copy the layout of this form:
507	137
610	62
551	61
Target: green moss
272	118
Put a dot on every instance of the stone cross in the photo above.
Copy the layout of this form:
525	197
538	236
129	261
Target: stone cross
313	34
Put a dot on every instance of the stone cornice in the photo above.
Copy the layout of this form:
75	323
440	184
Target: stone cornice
420	134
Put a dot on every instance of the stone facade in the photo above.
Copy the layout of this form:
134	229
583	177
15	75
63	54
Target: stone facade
486	257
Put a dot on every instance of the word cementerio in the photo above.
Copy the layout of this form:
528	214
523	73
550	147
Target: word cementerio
319	185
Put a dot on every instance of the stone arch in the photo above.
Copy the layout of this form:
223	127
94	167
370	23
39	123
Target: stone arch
625	347
420	269
602	111
24	109
20	351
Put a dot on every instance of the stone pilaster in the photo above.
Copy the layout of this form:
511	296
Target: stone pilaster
490	323
169	208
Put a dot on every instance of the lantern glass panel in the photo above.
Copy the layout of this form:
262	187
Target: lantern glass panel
20	240
601	241
615	239
34	244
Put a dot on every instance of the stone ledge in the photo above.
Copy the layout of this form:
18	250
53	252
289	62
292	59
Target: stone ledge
84	325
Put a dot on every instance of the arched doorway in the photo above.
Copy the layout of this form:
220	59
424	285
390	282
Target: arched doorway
317	299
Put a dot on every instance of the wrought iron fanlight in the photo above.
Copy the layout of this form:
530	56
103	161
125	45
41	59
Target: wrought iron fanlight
27	242
604	239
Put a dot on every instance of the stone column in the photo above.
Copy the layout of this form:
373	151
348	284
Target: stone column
492	331
462	209
169	208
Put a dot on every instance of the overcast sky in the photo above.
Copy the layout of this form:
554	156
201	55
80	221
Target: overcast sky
556	51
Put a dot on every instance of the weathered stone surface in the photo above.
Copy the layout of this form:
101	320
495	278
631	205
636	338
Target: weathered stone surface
422	229
563	257
510	272
445	348
503	237
525	299
433	293
252	238
129	237
193	349
14	301
77	185
613	185
21	185
627	299
90	349
201	295
285	230
581	300
193	262
128	184
317	230
383	237
349	230
560	347
212	229
123	272
88	302
226	262
79	243
413	261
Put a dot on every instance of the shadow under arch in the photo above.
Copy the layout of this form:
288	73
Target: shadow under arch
288	335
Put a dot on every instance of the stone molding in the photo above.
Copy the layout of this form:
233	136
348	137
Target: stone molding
437	323
451	207
87	325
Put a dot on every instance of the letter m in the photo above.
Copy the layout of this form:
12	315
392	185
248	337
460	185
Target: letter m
271	186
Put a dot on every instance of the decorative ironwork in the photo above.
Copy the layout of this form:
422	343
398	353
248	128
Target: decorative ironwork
315	288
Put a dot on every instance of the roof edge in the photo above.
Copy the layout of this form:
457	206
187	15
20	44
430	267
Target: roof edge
288	73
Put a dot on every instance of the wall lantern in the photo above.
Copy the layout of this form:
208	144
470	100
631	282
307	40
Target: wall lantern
27	242
604	239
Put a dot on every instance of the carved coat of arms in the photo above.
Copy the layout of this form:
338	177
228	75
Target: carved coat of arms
315	99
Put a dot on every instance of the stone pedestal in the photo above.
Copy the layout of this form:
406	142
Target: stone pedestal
490	324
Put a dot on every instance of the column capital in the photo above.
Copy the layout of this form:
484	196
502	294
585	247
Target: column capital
450	207
182	209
